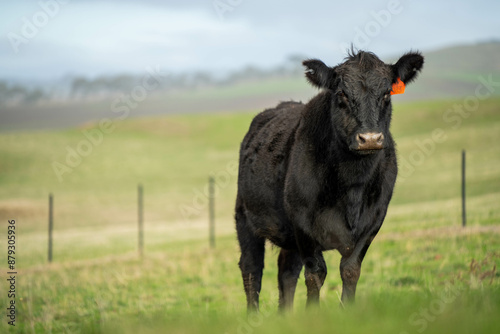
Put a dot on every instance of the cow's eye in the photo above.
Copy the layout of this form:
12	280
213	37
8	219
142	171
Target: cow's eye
342	95
387	95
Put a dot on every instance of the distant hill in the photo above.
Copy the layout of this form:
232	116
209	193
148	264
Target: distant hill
451	72
455	71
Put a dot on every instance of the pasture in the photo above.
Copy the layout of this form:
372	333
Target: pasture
422	274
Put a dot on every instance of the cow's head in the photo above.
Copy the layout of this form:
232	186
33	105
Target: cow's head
360	91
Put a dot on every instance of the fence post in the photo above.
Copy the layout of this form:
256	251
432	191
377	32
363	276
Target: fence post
211	211
464	214
51	225
140	219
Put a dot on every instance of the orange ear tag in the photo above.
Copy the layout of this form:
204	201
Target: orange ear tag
398	87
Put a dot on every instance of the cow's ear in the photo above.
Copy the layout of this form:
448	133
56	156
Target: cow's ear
408	66
318	74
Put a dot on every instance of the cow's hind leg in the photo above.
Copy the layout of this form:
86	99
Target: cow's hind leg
251	261
289	267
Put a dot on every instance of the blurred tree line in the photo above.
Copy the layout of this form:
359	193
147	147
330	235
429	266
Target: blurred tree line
84	88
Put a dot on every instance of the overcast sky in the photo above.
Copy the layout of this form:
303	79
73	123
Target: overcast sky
108	37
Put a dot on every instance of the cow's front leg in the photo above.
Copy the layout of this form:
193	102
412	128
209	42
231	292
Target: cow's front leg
350	270
350	267
315	274
314	265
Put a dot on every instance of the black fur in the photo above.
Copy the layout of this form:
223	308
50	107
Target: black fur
303	185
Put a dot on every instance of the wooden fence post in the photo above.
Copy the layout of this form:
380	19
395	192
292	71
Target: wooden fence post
51	225
211	210
140	219
464	213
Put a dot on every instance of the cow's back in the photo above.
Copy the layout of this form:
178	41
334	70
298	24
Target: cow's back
264	157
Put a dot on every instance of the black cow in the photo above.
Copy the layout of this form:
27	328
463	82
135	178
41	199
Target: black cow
319	176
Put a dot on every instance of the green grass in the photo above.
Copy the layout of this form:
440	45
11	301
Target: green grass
423	273
186	287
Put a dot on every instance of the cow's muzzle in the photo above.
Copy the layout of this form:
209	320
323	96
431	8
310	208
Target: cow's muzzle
370	141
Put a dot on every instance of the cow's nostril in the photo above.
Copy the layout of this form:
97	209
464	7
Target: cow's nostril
370	141
361	139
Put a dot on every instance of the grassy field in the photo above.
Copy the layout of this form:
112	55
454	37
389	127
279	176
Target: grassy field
423	273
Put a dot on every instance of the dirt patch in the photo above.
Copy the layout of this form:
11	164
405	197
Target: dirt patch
21	208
